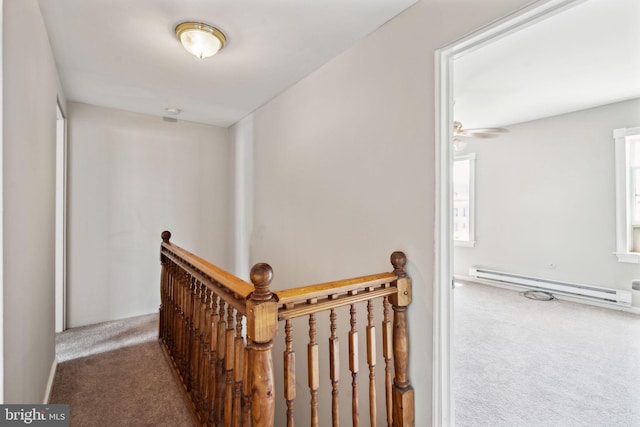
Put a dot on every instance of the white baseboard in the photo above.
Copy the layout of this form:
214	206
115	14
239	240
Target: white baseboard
52	376
634	310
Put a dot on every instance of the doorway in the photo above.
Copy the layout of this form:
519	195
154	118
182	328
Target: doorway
443	402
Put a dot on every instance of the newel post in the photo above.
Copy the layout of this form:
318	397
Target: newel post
166	235
262	325
403	398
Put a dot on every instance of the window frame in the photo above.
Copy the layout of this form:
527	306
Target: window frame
624	188
471	242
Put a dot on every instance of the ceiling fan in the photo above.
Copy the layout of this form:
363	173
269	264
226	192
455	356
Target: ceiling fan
459	132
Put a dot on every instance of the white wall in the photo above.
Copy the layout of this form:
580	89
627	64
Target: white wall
30	87
545	194
131	176
344	170
241	196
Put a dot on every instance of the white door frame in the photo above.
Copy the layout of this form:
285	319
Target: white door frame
1	208
443	404
61	221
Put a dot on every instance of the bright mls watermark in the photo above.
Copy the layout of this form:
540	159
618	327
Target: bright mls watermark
34	415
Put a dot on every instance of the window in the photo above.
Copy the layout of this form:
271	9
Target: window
627	146
463	200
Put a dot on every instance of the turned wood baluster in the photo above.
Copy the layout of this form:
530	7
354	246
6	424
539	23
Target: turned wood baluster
166	235
371	361
203	349
192	342
165	303
403	395
313	366
162	330
184	329
213	357
175	297
246	385
206	337
180	279
177	317
184	339
289	371
181	325
172	312
262	325
185	333
197	342
220	371
353	367
195	346
228	365
387	351
177	280
334	369
163	300
238	372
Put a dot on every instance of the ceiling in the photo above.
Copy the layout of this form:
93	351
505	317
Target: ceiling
585	56
124	54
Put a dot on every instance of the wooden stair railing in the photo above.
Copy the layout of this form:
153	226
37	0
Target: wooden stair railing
389	288
228	381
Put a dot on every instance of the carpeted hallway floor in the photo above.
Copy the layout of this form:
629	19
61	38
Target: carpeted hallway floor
114	374
520	362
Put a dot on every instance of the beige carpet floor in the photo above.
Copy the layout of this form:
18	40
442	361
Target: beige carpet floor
525	363
114	374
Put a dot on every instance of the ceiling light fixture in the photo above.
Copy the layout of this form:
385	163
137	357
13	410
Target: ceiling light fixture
201	40
173	111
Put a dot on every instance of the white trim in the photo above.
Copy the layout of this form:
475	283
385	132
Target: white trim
443	409
511	23
61	221
1	209
628	309
443	405
52	377
628	257
464	243
624	132
623	231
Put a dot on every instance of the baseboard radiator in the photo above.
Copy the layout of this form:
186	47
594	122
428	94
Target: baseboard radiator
556	287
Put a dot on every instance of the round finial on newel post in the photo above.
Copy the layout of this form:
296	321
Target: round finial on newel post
261	277
166	235
399	260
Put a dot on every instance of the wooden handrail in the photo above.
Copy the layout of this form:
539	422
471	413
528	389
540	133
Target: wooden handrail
327	290
228	377
326	305
232	283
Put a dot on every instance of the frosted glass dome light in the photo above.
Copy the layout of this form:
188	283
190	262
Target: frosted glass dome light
201	40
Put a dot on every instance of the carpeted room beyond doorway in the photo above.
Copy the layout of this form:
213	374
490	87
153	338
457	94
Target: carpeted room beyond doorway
114	374
520	362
